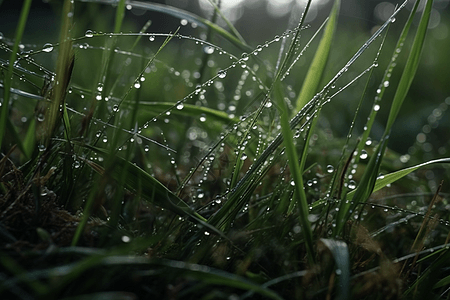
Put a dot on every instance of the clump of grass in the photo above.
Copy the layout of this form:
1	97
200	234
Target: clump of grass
168	165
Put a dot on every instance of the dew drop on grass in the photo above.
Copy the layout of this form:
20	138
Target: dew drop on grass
76	164
115	108
222	74
202	118
126	239
137	85
183	22
363	154
41	147
386	83
208	50
151	38
330	169
376	107
41	117
244	156
89	33
352	185
47	48
180	106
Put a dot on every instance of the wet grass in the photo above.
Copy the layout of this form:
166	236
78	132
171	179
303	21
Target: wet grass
173	165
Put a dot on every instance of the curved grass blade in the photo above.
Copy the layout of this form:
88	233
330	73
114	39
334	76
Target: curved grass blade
229	24
393	177
411	66
339	250
64	67
182	14
120	13
4	110
296	170
316	70
188	110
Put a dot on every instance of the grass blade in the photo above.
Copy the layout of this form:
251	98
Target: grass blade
189	110
339	250
316	70
384	180
411	66
64	69
8	77
296	171
182	14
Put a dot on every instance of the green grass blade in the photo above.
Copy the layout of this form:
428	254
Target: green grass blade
339	250
364	190
384	180
229	24
8	76
387	75
443	282
316	70
183	14
120	13
64	67
296	172
189	110
15	137
411	66
29	140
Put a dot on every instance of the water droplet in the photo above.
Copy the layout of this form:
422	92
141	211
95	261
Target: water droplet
180	106
76	164
115	108
47	48
41	147
126	239
89	33
352	184
363	154
222	74
202	118
151	38
244	156
386	83
40	117
137	85
376	107
208	49
330	169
